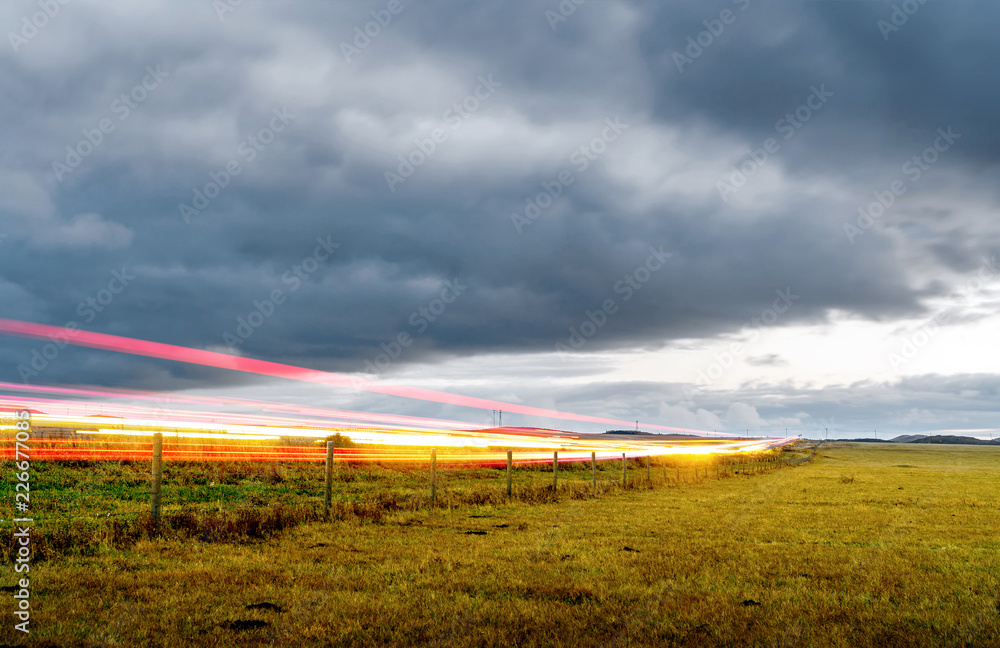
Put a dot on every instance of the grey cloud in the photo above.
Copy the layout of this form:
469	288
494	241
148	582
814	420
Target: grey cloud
769	360
324	175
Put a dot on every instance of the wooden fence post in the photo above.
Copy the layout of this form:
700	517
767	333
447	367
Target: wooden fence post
154	496
510	469
328	487
434	471
555	470
624	475
593	469
647	469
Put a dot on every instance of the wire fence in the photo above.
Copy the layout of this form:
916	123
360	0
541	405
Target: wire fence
798	461
82	490
75	477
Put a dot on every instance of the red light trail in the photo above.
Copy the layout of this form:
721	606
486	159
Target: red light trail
205	358
289	432
266	406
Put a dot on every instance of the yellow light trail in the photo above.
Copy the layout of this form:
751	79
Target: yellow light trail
531	444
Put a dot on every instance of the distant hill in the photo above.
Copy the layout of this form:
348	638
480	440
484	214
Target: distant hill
675	436
908	438
961	440
655	434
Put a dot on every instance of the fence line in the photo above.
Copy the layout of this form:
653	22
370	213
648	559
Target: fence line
728	466
798	462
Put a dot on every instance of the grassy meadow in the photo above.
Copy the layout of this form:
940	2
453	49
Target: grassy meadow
867	545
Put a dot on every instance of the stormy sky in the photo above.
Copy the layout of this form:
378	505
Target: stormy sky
728	215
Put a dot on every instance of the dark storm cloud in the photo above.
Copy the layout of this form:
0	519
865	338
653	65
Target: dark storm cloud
323	175
891	93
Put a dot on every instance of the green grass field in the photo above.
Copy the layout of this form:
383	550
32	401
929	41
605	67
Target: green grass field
868	545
